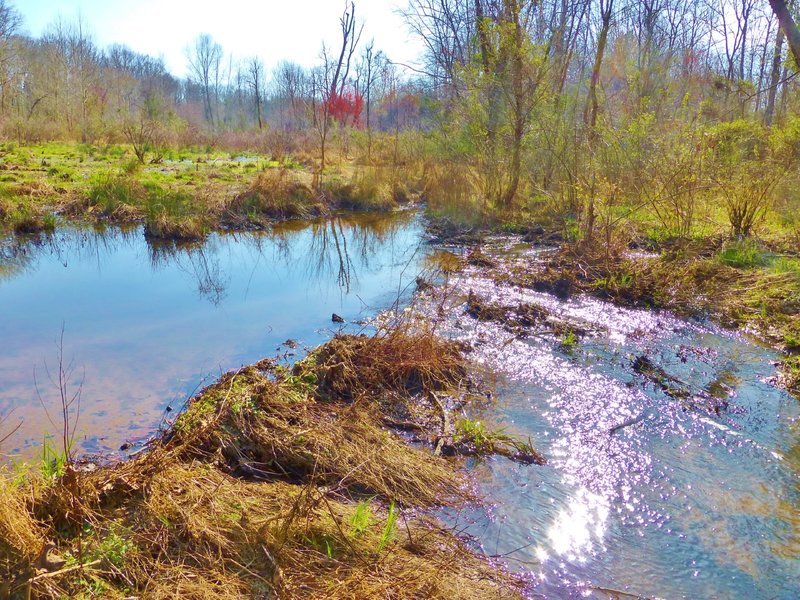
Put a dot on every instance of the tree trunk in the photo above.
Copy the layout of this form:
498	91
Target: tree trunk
774	77
258	111
590	114
781	10
518	106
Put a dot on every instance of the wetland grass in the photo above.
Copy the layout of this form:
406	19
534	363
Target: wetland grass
181	197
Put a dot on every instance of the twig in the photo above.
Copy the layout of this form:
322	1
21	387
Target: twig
446	429
63	571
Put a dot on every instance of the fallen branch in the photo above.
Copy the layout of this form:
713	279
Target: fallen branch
62	572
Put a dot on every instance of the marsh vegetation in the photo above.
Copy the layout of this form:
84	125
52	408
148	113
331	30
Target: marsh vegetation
652	147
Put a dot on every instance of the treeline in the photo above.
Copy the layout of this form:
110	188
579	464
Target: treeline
62	85
607	111
677	110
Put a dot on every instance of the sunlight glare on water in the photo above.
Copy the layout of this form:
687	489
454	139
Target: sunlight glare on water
645	493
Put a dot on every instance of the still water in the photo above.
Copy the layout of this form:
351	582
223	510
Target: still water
145	325
644	495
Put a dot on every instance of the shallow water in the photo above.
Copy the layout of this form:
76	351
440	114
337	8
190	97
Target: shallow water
644	494
145	325
679	502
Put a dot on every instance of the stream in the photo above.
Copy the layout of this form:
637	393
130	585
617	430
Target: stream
645	494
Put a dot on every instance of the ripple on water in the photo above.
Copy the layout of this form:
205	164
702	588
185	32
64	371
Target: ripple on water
643	492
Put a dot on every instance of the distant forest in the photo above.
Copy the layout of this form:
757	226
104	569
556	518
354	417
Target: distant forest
727	57
517	101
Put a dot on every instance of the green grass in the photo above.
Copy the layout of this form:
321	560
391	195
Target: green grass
109	192
53	461
782	265
569	341
472	431
391	526
743	254
114	546
361	519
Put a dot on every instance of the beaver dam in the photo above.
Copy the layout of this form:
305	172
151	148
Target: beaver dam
471	431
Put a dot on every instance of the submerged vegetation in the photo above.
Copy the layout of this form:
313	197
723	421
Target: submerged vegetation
272	481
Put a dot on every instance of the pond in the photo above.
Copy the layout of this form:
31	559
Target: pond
646	493
145	325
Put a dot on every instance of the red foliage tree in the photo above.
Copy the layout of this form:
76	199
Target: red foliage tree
346	107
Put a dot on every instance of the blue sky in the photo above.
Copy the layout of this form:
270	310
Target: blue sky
271	29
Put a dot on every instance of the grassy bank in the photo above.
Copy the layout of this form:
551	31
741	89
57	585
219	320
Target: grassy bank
272	483
183	195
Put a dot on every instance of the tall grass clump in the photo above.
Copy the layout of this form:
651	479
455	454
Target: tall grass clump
369	189
451	193
171	215
274	194
743	254
116	195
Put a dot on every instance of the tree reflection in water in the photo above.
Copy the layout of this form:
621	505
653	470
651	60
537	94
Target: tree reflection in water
200	261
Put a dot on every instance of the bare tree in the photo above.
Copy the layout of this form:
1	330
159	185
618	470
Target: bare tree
774	78
255	79
369	73
74	72
290	82
332	76
10	22
205	59
447	29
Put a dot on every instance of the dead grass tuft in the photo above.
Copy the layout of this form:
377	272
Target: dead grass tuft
274	194
353	366
161	226
21	537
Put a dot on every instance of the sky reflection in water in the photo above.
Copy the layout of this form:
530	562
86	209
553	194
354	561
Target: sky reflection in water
145	325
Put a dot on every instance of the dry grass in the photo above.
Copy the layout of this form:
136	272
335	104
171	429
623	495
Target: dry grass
21	537
162	226
254	492
352	366
274	194
368	189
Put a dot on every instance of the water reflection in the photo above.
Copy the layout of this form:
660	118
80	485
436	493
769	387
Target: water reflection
148	321
579	528
199	262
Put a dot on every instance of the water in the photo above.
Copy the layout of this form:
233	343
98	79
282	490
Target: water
144	326
679	502
644	494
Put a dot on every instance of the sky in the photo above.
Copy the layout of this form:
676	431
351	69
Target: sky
271	29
